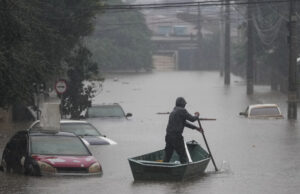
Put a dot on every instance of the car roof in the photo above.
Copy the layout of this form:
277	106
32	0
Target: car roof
46	133
65	121
72	121
254	106
263	105
51	133
105	104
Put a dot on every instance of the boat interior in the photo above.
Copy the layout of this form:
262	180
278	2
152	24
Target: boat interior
196	152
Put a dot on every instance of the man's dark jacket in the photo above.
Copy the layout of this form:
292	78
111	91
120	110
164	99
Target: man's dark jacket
177	121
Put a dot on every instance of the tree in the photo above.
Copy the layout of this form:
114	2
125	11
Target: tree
121	41
35	38
18	61
78	96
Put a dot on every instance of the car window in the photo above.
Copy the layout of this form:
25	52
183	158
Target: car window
58	145
264	111
16	148
105	111
81	129
247	109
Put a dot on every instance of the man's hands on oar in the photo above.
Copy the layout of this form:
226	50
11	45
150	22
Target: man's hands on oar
200	130
197	114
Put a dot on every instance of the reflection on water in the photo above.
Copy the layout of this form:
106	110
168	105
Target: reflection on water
254	156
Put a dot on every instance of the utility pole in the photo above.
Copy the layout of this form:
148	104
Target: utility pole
199	35
38	98
250	71
221	61
292	93
227	44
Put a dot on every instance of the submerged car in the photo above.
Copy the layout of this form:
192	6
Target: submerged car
106	110
48	153
262	111
83	129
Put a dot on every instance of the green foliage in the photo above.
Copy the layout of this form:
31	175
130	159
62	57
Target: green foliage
35	37
121	41
78	97
17	56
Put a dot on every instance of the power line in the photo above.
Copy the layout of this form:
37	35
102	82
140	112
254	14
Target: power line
169	21
176	5
187	4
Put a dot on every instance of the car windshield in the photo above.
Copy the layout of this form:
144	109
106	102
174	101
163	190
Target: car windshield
58	145
81	129
265	111
105	111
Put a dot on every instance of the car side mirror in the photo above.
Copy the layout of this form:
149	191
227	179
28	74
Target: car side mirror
128	115
243	113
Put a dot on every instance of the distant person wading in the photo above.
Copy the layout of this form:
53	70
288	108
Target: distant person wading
178	119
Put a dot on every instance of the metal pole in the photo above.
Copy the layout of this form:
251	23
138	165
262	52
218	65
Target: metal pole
227	44
292	93
221	61
38	102
199	36
250	71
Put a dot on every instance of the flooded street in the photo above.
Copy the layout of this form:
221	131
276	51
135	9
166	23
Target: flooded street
254	156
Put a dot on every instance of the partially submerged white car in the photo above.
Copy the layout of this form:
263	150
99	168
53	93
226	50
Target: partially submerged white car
262	111
89	133
113	110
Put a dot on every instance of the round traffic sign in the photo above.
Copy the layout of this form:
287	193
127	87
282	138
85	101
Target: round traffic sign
61	86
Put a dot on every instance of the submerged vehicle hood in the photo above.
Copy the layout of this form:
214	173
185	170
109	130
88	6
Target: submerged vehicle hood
98	140
66	161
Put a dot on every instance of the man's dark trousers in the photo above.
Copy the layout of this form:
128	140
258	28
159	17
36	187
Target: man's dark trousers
175	142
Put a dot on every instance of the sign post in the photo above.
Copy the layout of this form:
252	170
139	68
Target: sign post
60	88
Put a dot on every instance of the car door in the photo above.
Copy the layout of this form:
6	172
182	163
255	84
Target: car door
22	151
7	157
14	152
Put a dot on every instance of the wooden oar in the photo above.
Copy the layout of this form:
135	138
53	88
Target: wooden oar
201	119
163	113
207	146
207	119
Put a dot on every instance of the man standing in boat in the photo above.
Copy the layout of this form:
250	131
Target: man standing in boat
178	119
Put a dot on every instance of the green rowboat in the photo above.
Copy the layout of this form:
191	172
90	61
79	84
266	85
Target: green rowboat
150	166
